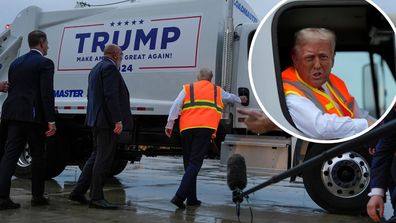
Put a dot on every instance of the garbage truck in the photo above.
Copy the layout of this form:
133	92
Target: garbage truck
166	42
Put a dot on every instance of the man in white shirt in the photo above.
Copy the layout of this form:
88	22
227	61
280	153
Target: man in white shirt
199	105
318	101
178	103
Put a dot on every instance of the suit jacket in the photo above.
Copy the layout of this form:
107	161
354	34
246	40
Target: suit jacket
108	97
383	158
31	93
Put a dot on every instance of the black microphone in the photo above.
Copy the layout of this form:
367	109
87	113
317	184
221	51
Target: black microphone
236	172
236	178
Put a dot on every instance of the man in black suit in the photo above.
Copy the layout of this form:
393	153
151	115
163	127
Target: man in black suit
28	111
3	130
382	168
108	113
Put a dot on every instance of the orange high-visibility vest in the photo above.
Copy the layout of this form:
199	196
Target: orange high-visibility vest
339	95
202	106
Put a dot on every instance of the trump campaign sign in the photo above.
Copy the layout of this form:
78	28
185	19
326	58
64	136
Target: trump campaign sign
147	43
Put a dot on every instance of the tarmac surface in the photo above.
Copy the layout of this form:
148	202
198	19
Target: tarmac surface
143	191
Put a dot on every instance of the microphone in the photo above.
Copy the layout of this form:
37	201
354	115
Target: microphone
236	172
236	178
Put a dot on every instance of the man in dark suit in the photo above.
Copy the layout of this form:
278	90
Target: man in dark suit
28	111
382	168
3	130
108	113
3	137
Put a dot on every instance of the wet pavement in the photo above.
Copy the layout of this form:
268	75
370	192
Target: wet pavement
143	191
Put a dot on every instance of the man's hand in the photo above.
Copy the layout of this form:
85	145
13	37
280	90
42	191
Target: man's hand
51	130
370	121
375	208
168	132
244	99
118	128
257	122
4	86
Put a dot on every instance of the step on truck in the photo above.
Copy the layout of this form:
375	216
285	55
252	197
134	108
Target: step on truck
165	43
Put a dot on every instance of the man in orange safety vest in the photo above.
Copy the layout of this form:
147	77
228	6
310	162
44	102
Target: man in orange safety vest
199	105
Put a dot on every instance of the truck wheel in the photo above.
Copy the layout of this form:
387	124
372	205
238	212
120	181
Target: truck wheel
341	184
23	168
117	167
56	155
55	158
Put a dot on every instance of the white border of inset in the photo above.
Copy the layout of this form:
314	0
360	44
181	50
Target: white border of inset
272	11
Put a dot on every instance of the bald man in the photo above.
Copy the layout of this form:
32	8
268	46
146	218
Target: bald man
108	114
199	105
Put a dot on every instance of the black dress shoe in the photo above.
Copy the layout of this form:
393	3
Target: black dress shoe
80	198
194	203
7	203
178	202
39	201
102	204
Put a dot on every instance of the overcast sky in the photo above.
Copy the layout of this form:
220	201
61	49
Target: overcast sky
8	12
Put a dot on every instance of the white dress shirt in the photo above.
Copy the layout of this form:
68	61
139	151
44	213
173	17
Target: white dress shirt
178	104
377	192
37	51
310	120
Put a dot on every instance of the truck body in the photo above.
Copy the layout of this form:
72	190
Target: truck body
165	43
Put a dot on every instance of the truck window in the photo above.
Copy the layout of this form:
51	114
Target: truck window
354	68
250	39
386	80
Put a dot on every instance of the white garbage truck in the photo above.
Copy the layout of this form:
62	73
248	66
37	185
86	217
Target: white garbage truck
166	42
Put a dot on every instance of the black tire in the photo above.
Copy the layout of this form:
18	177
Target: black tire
56	156
214	149
117	167
23	168
339	185
55	160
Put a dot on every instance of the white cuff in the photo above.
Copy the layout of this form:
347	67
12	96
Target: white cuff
170	124
377	191
360	124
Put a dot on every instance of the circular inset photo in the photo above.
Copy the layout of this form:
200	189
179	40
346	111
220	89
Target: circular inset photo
324	71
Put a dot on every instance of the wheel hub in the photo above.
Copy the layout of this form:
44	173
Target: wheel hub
25	159
346	176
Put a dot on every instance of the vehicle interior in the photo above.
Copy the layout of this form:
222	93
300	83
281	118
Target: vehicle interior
359	27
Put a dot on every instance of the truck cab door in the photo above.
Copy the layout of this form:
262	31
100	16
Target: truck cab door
241	86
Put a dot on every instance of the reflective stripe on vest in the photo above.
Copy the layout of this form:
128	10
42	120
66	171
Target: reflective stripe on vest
202	106
342	104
